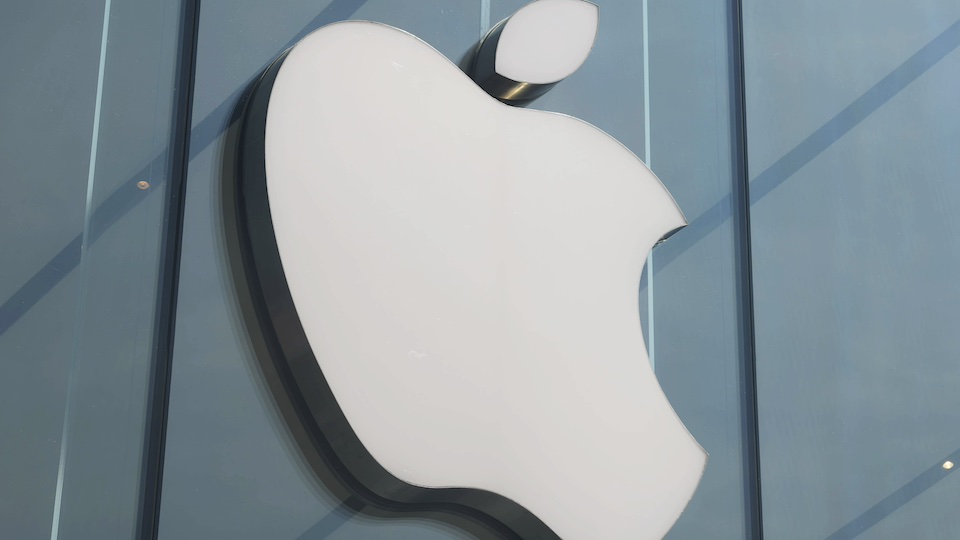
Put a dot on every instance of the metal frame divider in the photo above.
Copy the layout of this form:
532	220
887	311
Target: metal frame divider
744	261
164	325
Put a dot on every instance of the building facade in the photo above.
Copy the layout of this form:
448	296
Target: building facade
802	324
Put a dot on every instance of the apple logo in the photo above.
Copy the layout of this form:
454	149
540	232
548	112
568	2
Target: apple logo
452	287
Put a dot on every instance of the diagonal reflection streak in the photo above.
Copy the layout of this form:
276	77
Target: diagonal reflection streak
128	196
811	147
895	500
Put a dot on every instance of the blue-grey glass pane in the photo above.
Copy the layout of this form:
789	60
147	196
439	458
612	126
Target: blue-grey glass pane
853	133
46	116
85	114
695	286
234	465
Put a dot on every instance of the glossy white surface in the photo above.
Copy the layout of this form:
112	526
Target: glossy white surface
467	275
547	40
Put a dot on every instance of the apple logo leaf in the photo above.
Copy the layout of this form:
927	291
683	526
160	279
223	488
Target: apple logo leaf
527	53
451	287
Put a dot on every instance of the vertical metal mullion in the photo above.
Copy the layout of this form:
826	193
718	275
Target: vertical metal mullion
744	260
168	280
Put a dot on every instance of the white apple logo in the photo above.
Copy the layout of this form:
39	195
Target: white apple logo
466	275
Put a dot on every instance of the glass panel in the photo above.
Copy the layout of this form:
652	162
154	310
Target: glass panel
853	133
695	312
86	117
41	217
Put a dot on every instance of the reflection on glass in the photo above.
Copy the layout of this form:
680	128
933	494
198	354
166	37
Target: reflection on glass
84	116
852	126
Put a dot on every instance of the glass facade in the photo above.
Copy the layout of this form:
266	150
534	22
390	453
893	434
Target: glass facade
853	119
800	325
88	105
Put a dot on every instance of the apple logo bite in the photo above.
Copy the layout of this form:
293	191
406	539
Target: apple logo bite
452	285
